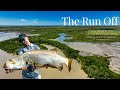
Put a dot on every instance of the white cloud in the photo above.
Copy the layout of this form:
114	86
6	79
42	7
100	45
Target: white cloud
23	20
35	22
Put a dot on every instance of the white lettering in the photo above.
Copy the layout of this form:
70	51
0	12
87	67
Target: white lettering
85	20
107	19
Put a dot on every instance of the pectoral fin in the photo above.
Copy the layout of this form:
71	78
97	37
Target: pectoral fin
60	68
54	49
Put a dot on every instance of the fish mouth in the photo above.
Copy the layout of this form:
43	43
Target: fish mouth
9	69
6	65
6	68
11	65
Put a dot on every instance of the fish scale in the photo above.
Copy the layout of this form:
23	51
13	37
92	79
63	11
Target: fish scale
40	58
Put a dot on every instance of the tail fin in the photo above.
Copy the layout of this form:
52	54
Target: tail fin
69	64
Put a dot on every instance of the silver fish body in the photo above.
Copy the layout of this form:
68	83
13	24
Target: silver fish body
39	58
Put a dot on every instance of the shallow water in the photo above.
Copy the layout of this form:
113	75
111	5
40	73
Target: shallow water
62	37
112	49
8	35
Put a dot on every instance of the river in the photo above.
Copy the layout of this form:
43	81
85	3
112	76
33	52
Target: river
62	37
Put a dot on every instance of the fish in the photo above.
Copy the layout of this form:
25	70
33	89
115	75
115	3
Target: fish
39	58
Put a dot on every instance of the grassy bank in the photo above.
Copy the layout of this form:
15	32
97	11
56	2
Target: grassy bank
95	66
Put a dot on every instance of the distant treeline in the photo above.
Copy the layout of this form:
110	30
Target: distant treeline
15	28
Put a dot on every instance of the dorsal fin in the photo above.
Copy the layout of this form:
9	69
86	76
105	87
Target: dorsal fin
54	49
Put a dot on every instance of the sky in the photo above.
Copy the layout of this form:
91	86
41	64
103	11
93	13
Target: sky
62	18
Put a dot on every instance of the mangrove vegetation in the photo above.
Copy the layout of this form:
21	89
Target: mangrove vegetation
94	66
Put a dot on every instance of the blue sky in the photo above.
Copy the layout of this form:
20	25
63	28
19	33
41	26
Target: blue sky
54	18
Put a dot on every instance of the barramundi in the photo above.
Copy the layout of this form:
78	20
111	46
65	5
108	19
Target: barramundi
39	58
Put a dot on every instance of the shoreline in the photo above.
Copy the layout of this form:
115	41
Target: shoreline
112	50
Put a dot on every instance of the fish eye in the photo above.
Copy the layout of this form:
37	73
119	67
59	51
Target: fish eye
27	63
